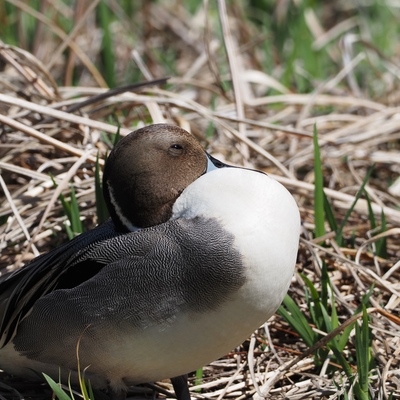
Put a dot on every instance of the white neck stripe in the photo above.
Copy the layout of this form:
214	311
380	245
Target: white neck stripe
125	221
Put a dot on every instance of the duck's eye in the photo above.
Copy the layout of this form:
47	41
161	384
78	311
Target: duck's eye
175	149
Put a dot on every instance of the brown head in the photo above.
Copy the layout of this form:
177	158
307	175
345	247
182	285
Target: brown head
147	171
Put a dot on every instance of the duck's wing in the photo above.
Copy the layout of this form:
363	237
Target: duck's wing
144	279
20	289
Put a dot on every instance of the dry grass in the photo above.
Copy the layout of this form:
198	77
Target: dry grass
242	123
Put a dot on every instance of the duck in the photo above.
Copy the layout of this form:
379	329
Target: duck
195	256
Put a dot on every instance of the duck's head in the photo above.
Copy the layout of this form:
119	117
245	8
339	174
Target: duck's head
147	171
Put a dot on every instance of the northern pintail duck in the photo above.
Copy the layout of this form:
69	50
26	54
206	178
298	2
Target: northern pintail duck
195	257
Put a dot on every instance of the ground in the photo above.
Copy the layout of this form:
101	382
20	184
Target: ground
254	83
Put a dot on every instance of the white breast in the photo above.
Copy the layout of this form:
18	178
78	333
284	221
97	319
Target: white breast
264	219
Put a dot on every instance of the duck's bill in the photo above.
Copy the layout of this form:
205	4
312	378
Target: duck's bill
213	163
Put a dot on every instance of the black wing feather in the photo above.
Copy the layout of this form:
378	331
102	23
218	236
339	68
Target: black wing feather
20	289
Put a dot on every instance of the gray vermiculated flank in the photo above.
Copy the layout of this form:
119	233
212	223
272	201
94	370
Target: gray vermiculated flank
150	276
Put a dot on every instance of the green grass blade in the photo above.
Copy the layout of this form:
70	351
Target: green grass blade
327	320
56	388
315	305
329	215
319	213
344	337
199	379
310	304
76	223
107	139
84	388
381	244
71	210
91	394
334	315
65	205
343	363
113	138
339	233
327	295
107	52
117	136
363	352
297	321
366	297
70	232
325	281
371	215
